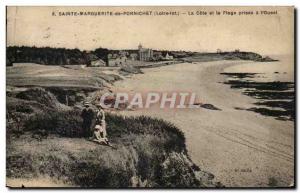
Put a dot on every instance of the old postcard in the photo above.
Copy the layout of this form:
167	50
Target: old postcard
150	97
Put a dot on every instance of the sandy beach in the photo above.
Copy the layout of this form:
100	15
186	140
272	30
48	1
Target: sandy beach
241	148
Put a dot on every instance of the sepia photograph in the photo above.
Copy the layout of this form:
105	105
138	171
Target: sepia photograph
150	97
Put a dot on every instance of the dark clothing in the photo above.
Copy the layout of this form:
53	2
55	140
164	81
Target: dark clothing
87	115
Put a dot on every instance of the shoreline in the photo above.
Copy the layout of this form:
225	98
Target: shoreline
221	142
241	148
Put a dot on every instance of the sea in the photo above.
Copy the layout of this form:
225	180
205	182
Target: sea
272	84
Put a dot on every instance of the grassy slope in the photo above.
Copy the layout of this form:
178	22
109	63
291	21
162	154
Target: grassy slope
43	141
29	74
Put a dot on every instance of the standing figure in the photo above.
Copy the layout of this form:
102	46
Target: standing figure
100	134
100	115
87	115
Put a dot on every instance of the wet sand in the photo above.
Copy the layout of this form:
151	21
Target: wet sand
241	148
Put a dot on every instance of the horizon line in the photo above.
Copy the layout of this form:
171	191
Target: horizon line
156	49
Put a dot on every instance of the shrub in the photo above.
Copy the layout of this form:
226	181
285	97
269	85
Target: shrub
121	126
39	95
150	150
24	109
130	70
64	123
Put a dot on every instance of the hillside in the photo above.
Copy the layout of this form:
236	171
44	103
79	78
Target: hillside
43	110
44	142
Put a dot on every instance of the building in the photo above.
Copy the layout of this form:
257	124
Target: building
114	56
97	63
168	57
157	56
119	61
145	54
123	53
133	56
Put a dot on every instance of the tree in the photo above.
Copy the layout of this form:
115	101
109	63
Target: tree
102	53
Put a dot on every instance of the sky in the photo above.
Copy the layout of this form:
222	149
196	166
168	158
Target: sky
264	34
